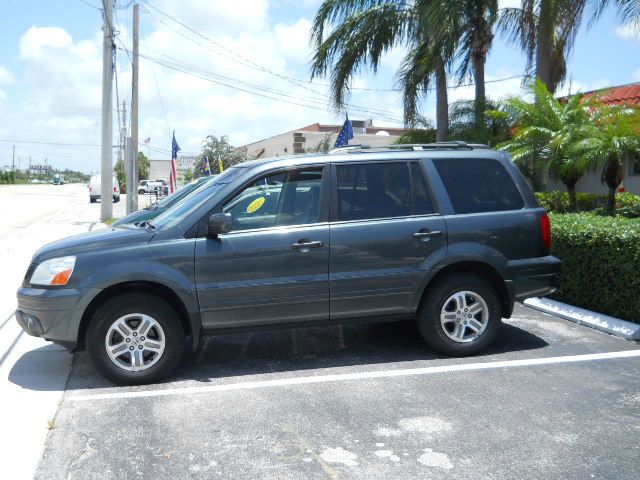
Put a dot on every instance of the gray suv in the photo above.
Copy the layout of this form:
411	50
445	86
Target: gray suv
448	235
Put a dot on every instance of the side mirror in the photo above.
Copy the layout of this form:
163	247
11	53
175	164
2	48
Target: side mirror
219	223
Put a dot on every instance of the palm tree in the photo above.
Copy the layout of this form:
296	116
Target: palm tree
365	30
613	134
468	25
463	123
549	130
546	30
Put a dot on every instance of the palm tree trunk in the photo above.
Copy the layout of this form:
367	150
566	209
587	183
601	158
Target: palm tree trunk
544	42
442	103
573	200
481	95
611	201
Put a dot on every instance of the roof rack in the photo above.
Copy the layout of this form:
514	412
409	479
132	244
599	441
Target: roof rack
450	145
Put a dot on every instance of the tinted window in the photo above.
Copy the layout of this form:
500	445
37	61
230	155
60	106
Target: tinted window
478	185
375	190
291	198
422	203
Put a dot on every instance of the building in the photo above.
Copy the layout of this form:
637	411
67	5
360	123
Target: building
590	181
309	137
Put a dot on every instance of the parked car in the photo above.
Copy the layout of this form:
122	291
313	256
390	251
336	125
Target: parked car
95	187
447	235
152	211
58	179
149	186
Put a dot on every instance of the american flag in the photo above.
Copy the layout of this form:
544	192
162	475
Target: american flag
175	148
345	134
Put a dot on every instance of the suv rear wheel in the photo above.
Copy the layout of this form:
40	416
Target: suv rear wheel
135	338
460	315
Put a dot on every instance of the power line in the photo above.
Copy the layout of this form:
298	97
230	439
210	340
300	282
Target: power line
153	71
317	103
90	4
251	64
52	143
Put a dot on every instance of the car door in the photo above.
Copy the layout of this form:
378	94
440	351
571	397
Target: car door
273	266
385	237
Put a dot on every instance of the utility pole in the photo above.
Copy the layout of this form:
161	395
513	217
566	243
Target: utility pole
133	193
132	189
13	159
106	170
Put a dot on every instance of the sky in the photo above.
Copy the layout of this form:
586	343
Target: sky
241	51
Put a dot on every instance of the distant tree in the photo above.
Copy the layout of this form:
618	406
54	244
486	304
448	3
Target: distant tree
423	132
188	175
323	146
121	175
215	149
143	166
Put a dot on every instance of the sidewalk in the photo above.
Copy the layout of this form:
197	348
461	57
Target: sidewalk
33	372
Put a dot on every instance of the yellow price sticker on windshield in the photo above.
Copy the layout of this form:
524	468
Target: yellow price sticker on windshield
255	205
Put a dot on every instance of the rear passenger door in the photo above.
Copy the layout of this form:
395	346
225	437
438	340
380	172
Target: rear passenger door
386	234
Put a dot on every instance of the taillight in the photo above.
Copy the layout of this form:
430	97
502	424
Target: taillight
90	189
115	190
545	223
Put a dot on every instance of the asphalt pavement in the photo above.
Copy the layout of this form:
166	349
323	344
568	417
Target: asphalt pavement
551	399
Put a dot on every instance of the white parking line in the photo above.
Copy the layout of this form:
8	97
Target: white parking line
282	382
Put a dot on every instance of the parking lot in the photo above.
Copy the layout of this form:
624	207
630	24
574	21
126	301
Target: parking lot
551	399
364	401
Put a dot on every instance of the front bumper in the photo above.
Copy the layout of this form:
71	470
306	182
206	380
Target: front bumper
534	277
53	314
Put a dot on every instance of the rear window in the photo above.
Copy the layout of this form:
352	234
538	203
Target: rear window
478	185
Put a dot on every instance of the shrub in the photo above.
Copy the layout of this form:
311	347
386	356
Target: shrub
600	263
558	202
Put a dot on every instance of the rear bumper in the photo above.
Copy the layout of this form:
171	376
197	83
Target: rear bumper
534	277
53	314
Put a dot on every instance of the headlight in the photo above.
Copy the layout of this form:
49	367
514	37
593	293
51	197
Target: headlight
55	271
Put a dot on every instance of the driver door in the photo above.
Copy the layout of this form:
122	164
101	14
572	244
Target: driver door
273	266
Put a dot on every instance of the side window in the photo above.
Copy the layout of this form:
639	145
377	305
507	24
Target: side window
374	190
291	198
478	185
422	202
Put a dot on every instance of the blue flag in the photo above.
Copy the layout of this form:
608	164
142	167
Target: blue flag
345	134
175	148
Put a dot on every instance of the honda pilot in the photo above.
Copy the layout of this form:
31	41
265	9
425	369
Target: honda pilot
448	235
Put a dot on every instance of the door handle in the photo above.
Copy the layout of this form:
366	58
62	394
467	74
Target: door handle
307	244
427	234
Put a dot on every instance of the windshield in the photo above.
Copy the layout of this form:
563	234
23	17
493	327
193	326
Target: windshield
174	215
180	194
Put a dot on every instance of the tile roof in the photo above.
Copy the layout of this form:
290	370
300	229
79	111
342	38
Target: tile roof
621	95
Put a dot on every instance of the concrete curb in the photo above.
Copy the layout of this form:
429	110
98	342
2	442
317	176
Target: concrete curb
604	323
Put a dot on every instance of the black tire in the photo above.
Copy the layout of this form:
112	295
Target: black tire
128	303
141	192
429	314
92	200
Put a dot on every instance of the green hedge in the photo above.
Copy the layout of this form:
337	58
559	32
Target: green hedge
559	201
600	263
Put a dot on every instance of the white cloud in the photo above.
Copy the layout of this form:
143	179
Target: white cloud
293	40
6	77
630	31
37	40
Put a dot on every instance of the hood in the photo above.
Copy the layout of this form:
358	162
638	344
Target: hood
138	216
98	240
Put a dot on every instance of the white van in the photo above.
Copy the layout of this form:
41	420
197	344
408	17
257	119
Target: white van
94	189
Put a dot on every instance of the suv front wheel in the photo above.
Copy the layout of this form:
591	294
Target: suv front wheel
135	338
460	315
